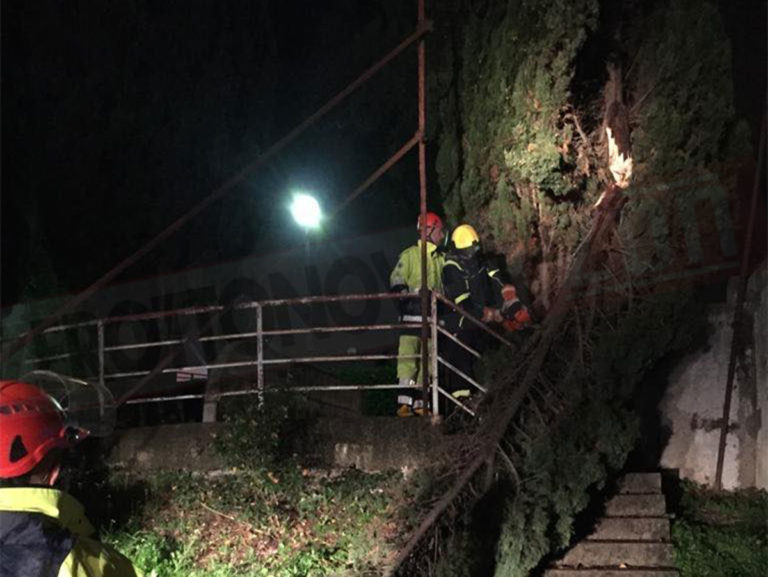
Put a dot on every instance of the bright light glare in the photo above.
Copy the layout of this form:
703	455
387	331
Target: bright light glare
306	211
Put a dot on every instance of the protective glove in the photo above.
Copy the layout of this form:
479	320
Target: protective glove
404	306
491	315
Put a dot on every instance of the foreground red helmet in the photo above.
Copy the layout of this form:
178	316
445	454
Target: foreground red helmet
433	221
31	425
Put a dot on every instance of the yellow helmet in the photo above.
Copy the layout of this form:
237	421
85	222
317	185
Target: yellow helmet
464	236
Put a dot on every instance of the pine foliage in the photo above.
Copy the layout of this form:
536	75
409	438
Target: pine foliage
522	157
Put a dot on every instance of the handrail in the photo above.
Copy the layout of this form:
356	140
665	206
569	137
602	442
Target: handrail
436	361
189	311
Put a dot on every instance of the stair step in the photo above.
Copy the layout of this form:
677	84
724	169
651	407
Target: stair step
636	506
631	529
611	573
640	483
614	553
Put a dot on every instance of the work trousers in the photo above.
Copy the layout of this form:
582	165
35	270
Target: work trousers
410	344
460	358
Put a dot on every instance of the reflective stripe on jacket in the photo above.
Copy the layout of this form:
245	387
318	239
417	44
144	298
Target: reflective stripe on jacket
44	533
469	284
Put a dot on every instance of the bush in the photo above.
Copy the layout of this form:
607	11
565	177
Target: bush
253	433
721	534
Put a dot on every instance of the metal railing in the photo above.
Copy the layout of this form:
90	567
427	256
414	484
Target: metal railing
106	347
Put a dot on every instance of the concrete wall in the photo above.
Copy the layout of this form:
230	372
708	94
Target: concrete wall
187	446
693	404
758	294
367	443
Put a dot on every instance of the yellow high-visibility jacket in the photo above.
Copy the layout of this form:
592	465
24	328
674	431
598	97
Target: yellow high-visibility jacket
44	533
406	276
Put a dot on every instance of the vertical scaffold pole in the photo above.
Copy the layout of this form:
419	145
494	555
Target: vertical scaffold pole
423	212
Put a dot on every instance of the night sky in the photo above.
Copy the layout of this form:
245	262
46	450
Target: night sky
117	117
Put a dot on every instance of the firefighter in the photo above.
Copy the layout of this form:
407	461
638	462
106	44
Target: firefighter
43	531
406	278
479	290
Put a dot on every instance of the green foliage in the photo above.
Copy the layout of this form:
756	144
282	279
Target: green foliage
568	445
511	68
520	143
156	554
721	534
252	433
514	160
560	468
685	90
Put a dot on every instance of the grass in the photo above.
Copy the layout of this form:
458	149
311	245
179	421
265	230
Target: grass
721	534
287	523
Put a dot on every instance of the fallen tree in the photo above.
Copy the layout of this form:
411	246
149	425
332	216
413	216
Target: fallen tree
534	136
507	396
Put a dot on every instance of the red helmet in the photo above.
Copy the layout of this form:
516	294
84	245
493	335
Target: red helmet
31	424
433	221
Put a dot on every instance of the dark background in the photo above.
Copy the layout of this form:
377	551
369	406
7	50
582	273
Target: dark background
118	117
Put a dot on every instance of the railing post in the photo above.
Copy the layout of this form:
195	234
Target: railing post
100	336
433	360
260	354
211	401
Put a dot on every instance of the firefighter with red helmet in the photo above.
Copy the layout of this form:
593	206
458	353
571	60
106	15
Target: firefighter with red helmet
406	278
43	531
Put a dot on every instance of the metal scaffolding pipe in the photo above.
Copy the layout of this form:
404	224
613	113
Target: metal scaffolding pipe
738	312
376	174
423	207
302	389
462	374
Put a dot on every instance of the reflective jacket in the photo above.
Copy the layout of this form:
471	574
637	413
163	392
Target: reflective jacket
406	277
44	533
469	283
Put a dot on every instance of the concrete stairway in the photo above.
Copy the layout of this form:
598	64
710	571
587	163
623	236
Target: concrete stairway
631	540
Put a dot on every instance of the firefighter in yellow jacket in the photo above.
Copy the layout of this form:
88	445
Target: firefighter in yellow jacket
406	278
44	531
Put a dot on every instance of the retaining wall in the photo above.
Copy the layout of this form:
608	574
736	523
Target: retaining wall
693	404
367	443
